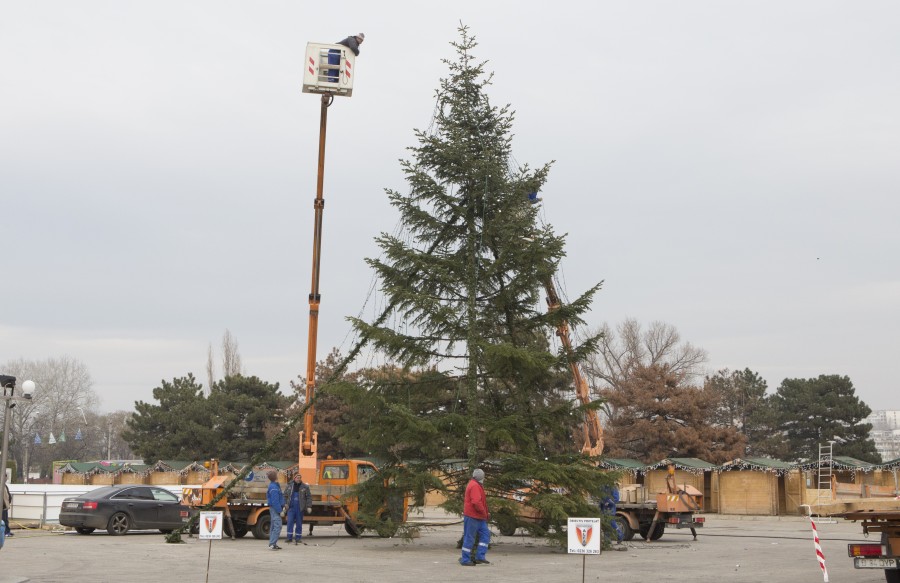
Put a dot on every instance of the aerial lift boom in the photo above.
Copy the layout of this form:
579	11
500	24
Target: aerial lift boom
309	437
328	73
593	431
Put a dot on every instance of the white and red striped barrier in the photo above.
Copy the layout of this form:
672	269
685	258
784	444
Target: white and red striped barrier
819	554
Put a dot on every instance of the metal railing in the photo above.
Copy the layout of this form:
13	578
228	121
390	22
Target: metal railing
39	504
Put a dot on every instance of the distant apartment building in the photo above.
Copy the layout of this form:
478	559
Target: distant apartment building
886	433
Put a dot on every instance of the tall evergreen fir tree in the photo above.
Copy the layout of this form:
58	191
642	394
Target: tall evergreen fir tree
476	377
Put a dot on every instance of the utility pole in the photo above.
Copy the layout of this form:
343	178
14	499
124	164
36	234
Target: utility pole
8	385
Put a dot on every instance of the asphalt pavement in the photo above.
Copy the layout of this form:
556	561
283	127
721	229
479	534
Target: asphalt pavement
749	549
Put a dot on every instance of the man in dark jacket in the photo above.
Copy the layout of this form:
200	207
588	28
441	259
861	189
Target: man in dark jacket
299	502
475	517
353	42
334	55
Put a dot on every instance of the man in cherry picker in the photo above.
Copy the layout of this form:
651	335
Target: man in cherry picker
353	42
334	55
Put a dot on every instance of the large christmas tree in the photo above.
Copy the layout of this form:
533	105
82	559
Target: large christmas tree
476	381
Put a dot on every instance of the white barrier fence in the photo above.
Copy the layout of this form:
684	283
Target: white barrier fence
40	503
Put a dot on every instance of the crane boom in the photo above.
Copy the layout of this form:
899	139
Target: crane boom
309	437
593	431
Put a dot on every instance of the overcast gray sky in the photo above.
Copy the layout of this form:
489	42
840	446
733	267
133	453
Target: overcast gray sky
730	168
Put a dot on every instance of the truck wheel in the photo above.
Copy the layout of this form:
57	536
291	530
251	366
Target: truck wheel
627	531
506	524
263	526
386	528
657	533
352	529
240	529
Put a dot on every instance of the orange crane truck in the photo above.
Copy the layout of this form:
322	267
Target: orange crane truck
246	510
330	481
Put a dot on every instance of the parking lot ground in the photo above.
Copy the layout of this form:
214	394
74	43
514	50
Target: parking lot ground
727	549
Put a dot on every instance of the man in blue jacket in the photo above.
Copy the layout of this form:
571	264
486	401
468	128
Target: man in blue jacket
275	499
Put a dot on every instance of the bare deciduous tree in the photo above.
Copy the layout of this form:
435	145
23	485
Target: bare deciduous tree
64	390
231	358
631	347
210	370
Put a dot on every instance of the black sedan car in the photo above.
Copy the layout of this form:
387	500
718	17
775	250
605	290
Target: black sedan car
119	509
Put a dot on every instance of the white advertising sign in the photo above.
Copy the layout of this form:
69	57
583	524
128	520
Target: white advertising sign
584	536
210	525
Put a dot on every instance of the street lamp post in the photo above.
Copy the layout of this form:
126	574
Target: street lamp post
8	384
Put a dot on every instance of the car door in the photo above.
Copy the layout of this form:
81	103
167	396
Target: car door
170	514
141	505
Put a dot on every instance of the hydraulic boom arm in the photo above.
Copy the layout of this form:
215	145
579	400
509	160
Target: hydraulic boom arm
309	437
593	432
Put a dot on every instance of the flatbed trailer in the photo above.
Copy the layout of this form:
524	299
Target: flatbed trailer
650	518
639	511
884	554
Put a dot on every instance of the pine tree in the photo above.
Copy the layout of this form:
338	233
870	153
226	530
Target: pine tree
812	412
232	423
475	375
743	404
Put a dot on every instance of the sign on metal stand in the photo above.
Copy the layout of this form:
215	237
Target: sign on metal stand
210	529
585	538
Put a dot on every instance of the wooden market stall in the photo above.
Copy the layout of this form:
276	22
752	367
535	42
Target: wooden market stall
755	486
631	471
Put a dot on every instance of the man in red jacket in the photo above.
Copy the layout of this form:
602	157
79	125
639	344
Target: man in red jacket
475	517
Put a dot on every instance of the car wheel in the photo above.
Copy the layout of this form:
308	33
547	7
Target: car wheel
119	523
892	575
84	530
262	527
165	530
